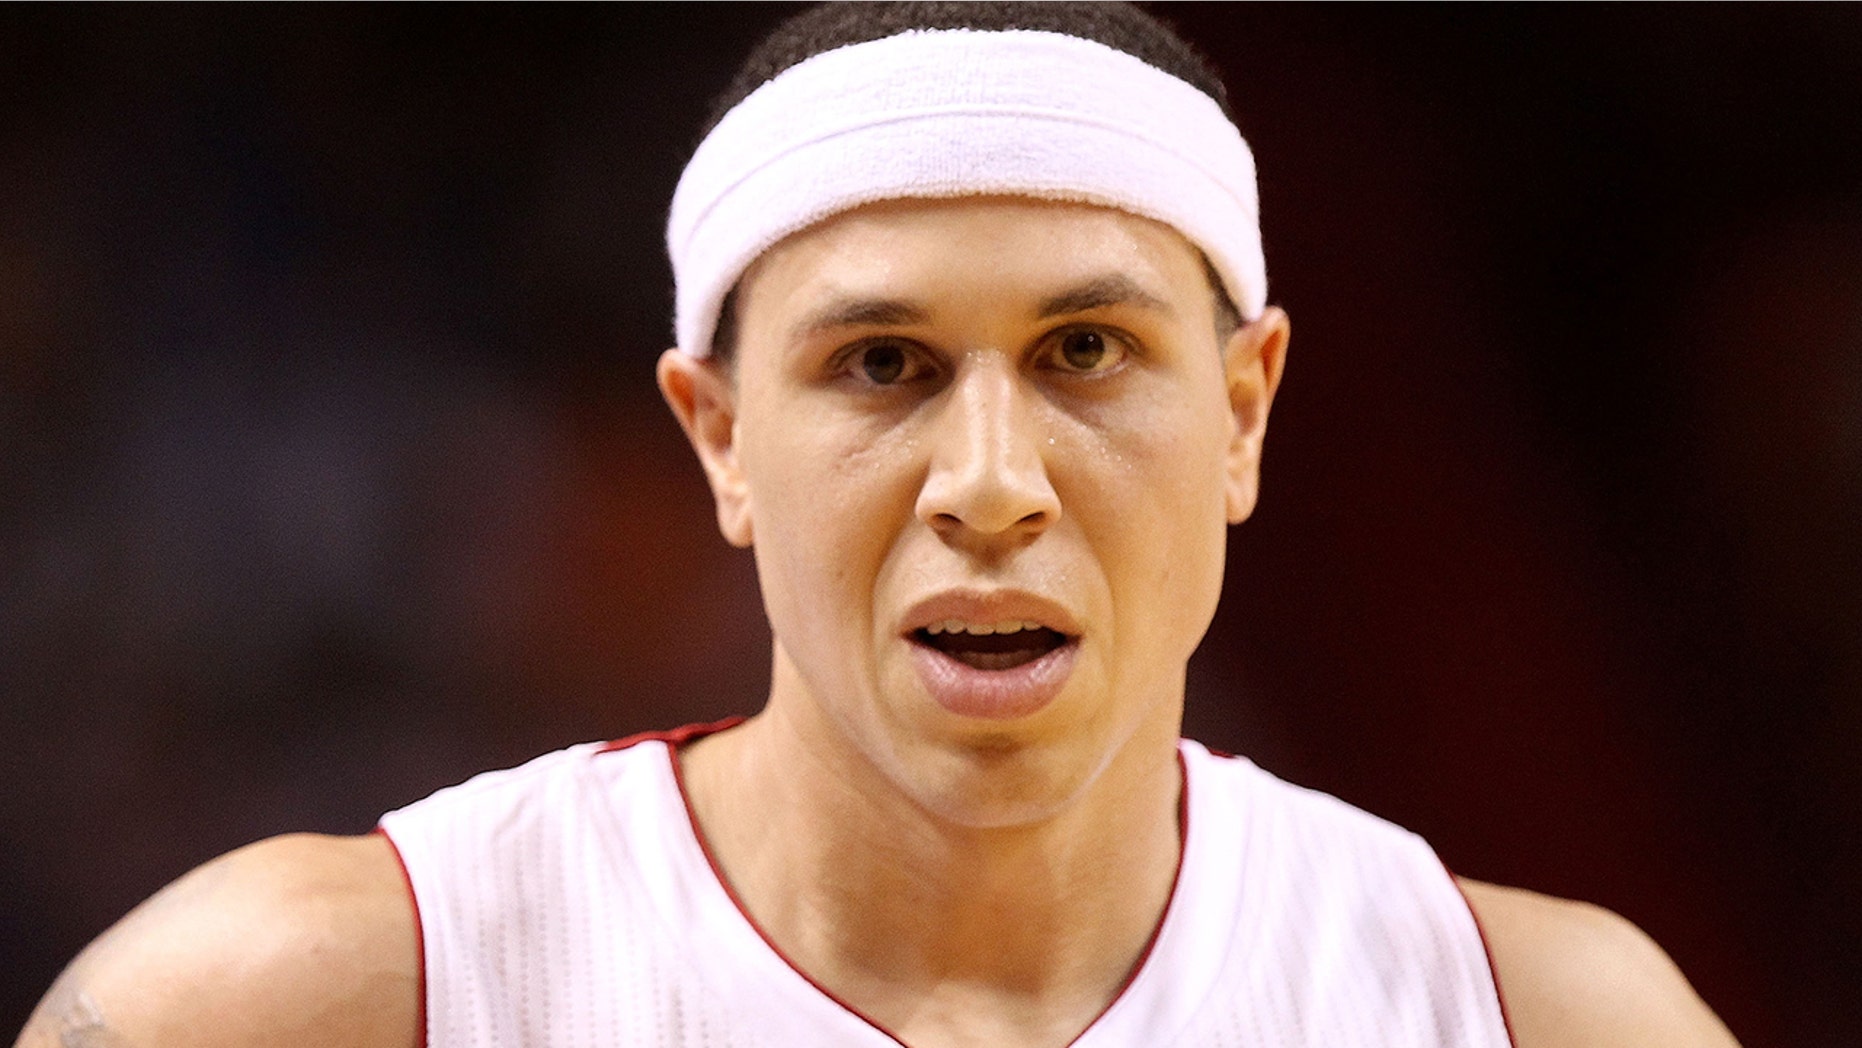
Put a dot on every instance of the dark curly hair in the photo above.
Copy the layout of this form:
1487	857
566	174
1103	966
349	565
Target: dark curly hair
828	26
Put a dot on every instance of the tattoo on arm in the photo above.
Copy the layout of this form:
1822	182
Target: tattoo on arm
72	1019
81	1025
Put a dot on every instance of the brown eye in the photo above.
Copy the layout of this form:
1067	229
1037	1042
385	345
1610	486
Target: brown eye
883	363
1083	350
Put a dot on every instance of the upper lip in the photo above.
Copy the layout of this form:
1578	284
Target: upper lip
989	606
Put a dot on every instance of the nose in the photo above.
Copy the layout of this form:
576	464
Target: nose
988	482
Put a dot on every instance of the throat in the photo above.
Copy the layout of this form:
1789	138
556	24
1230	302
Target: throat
942	933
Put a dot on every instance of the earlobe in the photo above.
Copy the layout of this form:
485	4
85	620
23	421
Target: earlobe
701	397
1252	363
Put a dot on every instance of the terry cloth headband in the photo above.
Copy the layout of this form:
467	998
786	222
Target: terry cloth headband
952	113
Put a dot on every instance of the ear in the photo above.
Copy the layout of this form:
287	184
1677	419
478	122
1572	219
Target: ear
1252	362
702	398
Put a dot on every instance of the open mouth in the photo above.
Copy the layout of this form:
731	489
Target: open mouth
990	646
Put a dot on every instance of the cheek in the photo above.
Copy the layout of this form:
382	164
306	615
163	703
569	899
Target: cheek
1161	454
827	499
1156	498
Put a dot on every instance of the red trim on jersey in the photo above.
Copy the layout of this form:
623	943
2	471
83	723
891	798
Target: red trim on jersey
1183	847
420	932
674	738
1506	1019
679	736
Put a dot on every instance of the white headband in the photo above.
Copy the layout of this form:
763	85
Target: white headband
949	113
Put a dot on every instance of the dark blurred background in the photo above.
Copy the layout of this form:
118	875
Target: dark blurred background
332	471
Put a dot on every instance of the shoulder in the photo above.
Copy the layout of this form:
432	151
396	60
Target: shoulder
1577	974
541	784
297	940
1316	842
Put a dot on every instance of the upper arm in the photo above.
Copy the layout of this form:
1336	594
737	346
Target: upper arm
1573	974
297	940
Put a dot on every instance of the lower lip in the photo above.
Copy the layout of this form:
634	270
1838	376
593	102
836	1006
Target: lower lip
994	694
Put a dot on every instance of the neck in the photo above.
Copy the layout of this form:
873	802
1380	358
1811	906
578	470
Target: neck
943	932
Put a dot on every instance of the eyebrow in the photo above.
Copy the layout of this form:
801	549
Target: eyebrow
859	312
1113	289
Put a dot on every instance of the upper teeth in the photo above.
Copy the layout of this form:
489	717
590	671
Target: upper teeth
980	628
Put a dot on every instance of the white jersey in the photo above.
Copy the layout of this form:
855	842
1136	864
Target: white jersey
569	903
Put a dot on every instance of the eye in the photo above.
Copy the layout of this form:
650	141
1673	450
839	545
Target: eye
883	362
1088	351
1083	350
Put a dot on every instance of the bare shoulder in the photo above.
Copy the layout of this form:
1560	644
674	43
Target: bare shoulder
297	940
1576	974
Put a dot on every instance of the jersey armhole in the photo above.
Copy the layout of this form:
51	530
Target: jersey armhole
1493	970
420	930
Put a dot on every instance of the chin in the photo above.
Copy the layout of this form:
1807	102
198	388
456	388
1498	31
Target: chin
998	777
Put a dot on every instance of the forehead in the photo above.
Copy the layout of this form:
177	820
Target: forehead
974	252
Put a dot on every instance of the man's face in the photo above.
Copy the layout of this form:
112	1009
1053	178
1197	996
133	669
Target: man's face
986	452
